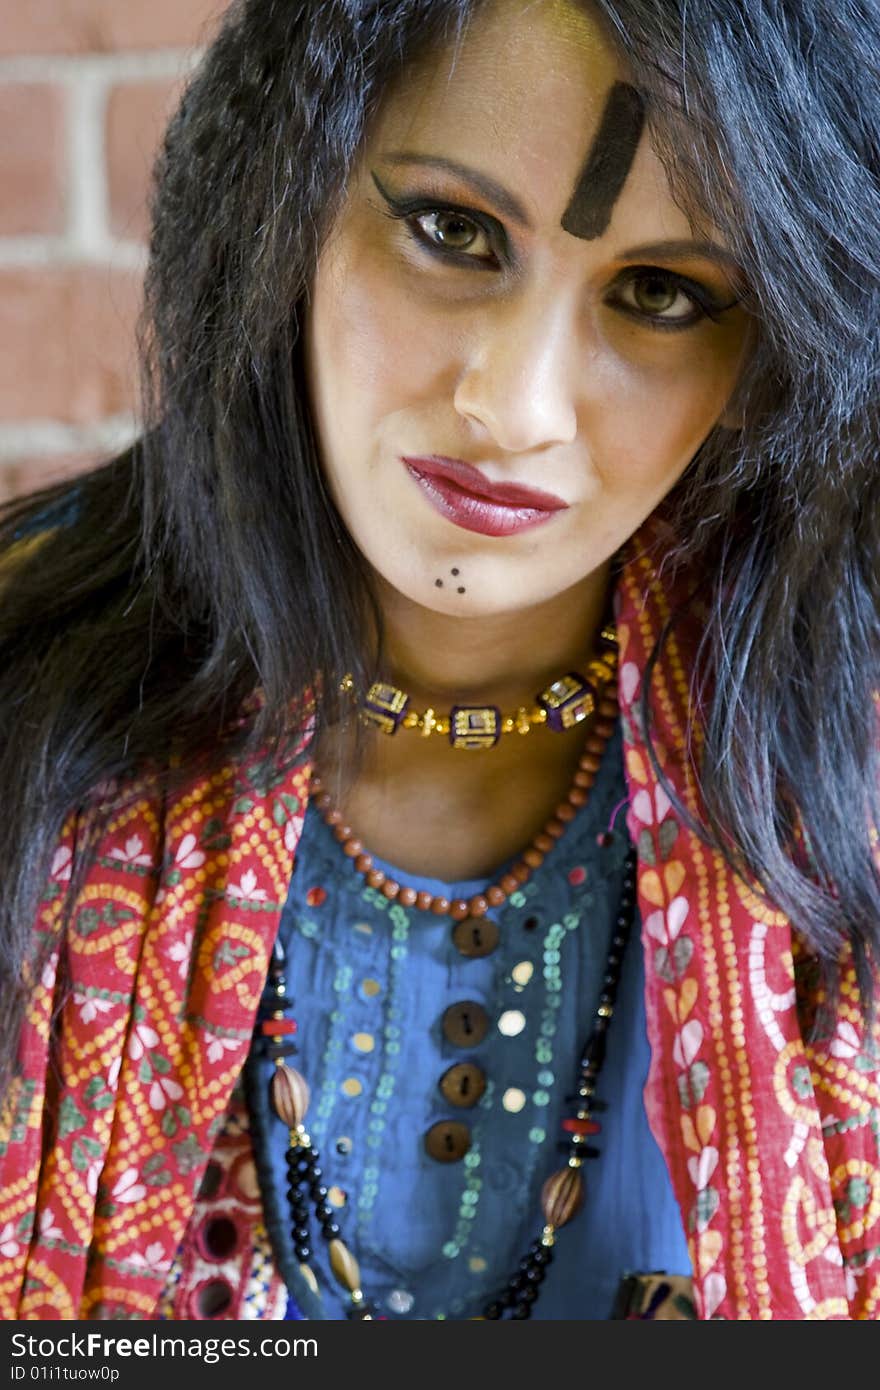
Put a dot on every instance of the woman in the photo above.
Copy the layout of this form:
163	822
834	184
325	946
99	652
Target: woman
513	387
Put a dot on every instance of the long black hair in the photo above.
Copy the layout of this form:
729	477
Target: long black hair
209	560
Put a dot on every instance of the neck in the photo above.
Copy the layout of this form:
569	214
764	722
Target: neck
483	806
501	659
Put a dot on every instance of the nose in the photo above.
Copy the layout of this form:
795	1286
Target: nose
518	381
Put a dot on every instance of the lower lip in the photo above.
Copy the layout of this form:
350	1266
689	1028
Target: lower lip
474	513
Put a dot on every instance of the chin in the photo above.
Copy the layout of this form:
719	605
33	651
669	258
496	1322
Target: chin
473	604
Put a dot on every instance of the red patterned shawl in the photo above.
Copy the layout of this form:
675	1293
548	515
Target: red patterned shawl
773	1145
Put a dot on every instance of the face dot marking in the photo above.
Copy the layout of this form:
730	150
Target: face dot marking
455	572
609	160
438	583
462	589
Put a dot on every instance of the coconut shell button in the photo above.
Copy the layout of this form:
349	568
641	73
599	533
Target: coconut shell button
463	1084
465	1024
476	936
448	1141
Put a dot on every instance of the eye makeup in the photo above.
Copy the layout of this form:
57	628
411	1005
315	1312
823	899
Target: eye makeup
409	207
704	303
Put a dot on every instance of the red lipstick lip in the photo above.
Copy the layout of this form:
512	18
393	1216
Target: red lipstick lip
450	487
471	480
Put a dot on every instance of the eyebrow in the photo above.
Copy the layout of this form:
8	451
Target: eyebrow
503	199
685	250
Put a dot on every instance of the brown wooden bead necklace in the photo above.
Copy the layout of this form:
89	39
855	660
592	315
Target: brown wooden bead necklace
563	1193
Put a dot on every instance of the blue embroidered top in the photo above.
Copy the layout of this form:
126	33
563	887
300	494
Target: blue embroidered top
371	981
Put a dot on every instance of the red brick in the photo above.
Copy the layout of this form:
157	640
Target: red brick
31	159
29	474
104	26
137	114
68	336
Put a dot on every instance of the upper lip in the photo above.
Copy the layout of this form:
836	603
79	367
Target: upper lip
470	479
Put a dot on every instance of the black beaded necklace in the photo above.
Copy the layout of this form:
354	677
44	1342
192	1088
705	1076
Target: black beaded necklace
562	1195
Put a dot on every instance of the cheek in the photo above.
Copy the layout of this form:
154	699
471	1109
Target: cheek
373	355
662	409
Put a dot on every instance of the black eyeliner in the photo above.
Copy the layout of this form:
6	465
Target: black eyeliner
706	300
709	306
401	208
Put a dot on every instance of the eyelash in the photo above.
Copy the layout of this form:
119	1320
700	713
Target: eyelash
409	211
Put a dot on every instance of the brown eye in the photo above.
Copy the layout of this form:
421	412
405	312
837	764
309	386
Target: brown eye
661	299
654	294
451	230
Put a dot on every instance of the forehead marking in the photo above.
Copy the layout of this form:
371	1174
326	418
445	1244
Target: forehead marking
608	163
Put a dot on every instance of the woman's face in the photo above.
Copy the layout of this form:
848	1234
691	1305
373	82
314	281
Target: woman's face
516	345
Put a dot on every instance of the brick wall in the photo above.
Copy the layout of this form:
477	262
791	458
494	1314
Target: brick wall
85	89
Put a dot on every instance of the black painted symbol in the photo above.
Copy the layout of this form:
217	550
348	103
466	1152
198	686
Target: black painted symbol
607	165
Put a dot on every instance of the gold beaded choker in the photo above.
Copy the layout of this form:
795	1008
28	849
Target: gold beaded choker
563	704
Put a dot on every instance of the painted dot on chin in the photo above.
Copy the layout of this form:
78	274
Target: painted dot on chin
438	583
462	589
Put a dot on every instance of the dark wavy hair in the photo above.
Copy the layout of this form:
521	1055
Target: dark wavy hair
209	559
